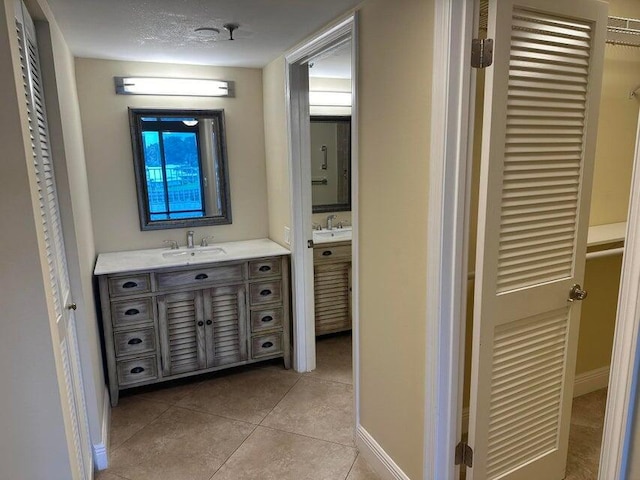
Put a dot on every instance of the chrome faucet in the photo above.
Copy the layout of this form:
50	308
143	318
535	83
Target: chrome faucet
330	221
190	239
205	240
173	244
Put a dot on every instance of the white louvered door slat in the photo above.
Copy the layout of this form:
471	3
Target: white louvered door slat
73	390
541	103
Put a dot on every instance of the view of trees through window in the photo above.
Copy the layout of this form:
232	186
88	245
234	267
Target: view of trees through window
173	171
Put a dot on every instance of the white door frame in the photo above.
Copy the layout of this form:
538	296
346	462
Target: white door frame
297	100
452	127
452	96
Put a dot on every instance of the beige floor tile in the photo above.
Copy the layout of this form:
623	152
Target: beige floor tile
273	455
105	475
170	394
333	359
316	408
180	445
362	471
131	415
248	395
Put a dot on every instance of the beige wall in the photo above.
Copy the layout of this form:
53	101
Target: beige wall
393	167
109	157
65	130
276	149
33	441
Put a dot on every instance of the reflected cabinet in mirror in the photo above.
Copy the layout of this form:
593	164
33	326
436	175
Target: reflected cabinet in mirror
331	164
181	170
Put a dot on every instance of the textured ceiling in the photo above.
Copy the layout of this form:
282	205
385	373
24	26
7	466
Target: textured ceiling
163	30
337	64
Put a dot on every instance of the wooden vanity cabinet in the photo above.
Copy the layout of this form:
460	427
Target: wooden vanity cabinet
332	287
170	323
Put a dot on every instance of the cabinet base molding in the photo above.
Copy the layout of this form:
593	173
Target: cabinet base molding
376	457
101	450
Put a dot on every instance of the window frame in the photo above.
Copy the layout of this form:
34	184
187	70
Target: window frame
144	208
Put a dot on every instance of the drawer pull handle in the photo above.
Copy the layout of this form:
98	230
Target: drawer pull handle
267	319
129	285
135	341
200	323
265	268
327	253
265	292
132	311
267	345
137	370
202	276
209	322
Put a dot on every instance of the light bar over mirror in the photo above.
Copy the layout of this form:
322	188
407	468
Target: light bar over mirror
195	87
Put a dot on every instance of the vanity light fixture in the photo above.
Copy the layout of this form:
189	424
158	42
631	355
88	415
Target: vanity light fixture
330	99
196	87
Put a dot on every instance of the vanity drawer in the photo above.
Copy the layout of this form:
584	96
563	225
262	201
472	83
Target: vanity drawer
131	312
265	292
130	284
264	268
266	345
135	342
267	319
329	253
137	370
223	273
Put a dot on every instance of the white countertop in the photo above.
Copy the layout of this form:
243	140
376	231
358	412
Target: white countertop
135	260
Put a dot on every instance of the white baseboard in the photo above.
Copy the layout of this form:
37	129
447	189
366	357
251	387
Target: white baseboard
584	383
101	450
591	381
376	457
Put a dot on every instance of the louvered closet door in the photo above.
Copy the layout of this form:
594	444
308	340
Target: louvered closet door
541	105
225	325
73	388
181	319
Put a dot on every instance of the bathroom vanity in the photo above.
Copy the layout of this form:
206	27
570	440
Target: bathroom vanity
332	281
169	313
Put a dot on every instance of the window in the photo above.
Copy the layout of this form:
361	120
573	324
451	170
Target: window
180	162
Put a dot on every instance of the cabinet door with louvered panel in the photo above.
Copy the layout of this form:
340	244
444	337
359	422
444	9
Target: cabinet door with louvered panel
332	298
226	325
182	332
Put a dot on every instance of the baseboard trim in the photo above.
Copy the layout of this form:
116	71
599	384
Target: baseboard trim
591	381
376	457
101	450
583	383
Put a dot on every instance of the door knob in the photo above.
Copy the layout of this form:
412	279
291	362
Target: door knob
577	293
72	306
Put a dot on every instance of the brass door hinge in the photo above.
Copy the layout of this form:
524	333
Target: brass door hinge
464	454
481	52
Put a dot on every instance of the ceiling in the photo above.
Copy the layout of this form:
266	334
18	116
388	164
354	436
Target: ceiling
163	30
335	64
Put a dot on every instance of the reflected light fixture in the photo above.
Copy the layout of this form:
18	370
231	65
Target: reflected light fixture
330	99
174	86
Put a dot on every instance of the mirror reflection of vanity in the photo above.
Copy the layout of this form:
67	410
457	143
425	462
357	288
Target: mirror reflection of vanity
331	163
181	169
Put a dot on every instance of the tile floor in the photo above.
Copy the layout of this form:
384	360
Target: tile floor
259	422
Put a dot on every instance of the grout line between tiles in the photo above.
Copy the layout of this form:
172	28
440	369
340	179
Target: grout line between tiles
281	399
310	437
255	427
353	464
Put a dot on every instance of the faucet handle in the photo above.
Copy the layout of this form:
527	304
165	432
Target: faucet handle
173	244
205	240
316	226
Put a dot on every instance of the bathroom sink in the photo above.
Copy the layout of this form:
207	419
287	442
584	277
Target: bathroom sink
201	252
334	235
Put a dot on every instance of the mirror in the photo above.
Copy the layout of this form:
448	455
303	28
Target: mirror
180	162
331	163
